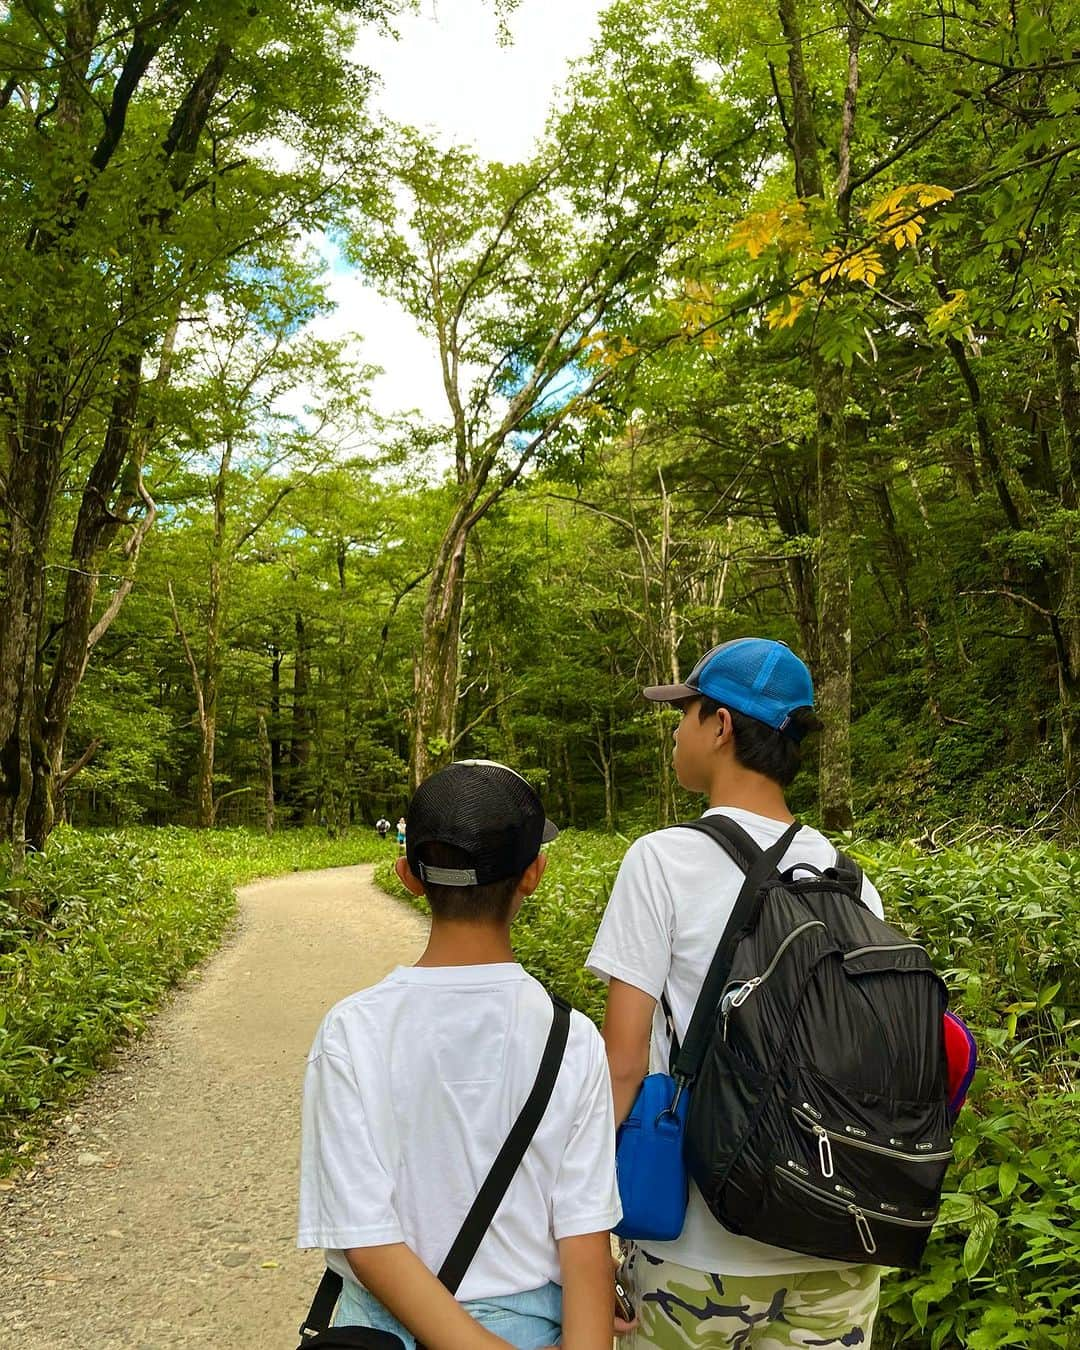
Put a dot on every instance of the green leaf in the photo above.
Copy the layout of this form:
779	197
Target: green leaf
1008	1175
979	1242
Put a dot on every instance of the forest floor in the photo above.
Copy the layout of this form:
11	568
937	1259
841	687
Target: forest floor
164	1212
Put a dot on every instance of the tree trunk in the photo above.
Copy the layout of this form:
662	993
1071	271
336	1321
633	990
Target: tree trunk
830	390
435	672
29	497
790	513
266	764
275	721
834	599
99	521
606	768
300	753
1067	373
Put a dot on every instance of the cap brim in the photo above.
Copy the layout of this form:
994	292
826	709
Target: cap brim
670	693
550	831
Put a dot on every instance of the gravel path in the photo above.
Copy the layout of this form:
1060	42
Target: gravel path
164	1215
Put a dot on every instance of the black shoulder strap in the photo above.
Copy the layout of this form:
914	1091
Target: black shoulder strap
322	1305
732	838
849	870
762	869
495	1186
498	1180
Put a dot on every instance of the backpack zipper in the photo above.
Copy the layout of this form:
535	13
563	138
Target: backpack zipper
735	995
883	947
825	1137
862	1222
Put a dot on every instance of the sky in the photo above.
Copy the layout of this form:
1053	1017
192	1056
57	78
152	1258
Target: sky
448	74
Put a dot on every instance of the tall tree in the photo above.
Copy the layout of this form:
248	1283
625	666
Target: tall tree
134	164
522	277
250	360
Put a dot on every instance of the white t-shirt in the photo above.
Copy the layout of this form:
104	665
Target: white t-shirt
668	908
411	1089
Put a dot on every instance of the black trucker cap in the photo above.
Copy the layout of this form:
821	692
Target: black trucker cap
486	810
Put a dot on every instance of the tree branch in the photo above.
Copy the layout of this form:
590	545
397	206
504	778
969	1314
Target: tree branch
196	679
84	759
482	717
1019	599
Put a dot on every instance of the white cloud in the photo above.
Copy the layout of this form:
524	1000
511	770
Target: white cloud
448	72
448	75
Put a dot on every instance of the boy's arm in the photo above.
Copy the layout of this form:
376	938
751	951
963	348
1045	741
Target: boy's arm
588	1316
627	1028
403	1284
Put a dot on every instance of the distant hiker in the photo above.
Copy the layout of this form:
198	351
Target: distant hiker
785	1155
401	834
382	826
413	1085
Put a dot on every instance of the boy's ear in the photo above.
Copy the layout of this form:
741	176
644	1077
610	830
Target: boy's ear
530	878
405	875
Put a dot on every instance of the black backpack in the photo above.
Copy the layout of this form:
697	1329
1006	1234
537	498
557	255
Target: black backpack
819	1116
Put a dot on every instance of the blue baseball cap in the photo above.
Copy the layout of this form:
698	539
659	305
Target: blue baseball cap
759	677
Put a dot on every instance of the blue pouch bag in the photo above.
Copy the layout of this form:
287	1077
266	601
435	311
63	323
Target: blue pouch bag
649	1162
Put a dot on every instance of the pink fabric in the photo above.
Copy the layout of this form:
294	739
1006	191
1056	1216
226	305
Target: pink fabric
962	1057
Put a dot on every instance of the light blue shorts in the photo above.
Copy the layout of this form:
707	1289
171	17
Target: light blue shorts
528	1320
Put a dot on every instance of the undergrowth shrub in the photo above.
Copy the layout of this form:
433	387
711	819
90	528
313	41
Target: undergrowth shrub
1002	924
99	927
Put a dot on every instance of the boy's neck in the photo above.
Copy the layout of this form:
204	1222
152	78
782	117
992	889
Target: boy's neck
750	791
453	943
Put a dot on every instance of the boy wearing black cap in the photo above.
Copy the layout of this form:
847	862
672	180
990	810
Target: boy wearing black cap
412	1087
745	708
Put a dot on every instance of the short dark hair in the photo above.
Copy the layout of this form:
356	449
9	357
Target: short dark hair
476	904
762	748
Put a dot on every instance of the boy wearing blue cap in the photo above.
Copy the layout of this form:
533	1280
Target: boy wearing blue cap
746	707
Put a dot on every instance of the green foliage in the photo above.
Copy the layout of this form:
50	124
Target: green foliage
94	933
1002	923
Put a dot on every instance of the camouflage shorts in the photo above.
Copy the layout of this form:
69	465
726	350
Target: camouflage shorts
683	1309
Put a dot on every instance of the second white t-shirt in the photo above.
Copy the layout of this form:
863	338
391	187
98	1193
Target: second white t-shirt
670	903
411	1089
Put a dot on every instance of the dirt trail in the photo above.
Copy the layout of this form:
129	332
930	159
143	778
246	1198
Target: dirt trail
165	1215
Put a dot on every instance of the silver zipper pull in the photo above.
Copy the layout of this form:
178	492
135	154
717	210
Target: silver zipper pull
824	1150
742	994
862	1225
725	1013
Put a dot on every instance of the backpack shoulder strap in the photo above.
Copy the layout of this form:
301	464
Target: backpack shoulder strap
743	914
851	875
733	839
849	870
496	1183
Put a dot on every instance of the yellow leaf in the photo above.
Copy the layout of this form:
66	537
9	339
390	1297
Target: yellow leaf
755	233
930	195
781	226
887	205
785	313
896	206
865	266
833	258
940	318
906	231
